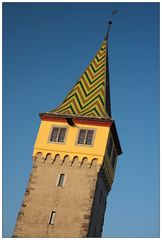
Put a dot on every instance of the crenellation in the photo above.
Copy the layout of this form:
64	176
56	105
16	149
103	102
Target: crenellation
38	160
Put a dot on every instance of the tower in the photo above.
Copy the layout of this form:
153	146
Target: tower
74	161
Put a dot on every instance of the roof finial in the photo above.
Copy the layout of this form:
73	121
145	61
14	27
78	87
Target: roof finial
107	34
110	23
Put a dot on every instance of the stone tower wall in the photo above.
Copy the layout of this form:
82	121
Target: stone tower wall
72	203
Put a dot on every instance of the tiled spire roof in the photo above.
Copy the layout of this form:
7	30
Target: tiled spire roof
90	97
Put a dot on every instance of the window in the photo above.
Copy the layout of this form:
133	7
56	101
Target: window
82	135
61	180
58	134
89	137
109	149
85	136
52	218
113	158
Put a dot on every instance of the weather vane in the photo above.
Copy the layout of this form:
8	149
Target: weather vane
110	21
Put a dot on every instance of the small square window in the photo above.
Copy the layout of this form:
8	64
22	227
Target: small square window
61	180
52	218
58	134
85	136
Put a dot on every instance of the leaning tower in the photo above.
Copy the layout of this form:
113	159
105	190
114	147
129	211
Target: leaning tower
74	161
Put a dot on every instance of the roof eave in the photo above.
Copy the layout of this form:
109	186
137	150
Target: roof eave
76	116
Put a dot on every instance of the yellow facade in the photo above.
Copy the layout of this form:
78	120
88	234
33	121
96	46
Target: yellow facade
71	149
70	146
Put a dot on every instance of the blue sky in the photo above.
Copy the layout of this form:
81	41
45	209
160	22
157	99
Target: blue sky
46	47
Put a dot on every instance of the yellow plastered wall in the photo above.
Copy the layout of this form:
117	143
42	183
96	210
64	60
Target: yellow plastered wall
70	146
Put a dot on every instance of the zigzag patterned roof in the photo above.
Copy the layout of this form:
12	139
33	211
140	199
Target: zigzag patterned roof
88	97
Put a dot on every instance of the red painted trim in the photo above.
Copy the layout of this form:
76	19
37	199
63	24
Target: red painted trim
77	121
52	119
96	123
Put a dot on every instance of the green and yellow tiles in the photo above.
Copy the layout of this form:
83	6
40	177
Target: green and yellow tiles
88	96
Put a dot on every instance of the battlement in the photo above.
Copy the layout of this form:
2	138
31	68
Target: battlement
58	159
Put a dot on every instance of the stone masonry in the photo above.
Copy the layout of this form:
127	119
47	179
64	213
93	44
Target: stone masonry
79	204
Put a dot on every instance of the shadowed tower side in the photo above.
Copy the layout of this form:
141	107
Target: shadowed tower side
74	161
